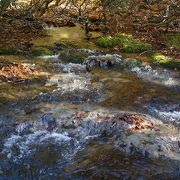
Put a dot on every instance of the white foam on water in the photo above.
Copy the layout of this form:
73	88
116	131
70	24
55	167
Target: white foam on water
22	127
86	50
160	77
167	113
91	137
170	145
49	27
56	137
17	147
172	138
173	116
171	82
72	67
50	56
69	82
109	57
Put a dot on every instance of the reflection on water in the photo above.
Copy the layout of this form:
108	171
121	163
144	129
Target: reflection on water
113	164
126	91
75	37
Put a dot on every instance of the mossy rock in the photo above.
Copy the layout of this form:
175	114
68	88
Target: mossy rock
73	56
41	51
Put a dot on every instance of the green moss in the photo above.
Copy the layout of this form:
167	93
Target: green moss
36	51
47	89
158	57
7	51
125	41
171	64
41	51
166	61
107	41
173	40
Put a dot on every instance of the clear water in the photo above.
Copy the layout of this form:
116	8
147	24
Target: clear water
30	151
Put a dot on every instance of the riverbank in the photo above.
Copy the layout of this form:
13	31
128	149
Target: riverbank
165	54
22	37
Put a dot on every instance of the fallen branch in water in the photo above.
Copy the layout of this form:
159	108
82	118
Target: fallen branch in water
144	53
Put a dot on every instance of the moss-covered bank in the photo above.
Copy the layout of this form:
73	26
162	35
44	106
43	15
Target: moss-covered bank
126	42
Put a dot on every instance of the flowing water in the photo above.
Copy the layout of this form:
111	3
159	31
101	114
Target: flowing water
60	128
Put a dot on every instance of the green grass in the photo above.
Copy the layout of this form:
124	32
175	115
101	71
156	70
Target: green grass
125	41
173	40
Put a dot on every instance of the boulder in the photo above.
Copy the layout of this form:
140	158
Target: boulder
103	61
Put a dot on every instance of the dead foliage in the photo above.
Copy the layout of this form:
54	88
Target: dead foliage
16	73
139	122
18	33
136	121
58	22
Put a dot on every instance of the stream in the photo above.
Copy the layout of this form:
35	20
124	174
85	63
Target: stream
66	127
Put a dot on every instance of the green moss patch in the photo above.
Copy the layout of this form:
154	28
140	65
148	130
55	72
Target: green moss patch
107	41
125	41
166	61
